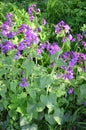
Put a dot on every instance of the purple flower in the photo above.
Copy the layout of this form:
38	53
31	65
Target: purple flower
6	46
70	91
57	29
67	28
23	27
62	26
21	46
9	16
52	64
73	62
47	46
70	37
54	48
61	23
65	55
23	83
31	36
68	75
63	39
63	67
11	34
83	56
39	51
84	33
18	54
9	19
31	18
38	29
44	22
5	26
73	39
84	44
79	37
84	103
30	10
38	10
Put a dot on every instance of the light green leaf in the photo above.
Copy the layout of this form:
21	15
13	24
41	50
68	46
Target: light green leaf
45	81
58	115
60	62
28	65
83	90
13	86
49	118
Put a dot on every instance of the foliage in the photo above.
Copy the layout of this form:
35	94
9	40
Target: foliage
42	82
72	12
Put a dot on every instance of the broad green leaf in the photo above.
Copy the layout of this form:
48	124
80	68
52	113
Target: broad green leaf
40	107
3	90
58	115
49	118
13	86
43	99
61	90
28	65
23	121
34	127
49	101
83	90
45	81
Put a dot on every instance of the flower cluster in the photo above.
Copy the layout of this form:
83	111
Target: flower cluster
32	10
23	83
6	26
51	48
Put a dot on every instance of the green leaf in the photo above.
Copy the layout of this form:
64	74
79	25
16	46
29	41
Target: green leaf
61	90
34	127
40	107
13	86
43	99
28	66
58	115
66	46
49	118
45	81
83	90
23	121
49	101
3	90
60	62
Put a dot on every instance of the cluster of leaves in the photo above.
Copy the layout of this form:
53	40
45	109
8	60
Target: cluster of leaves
36	91
71	11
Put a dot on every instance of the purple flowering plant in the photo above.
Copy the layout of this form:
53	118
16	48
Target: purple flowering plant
38	75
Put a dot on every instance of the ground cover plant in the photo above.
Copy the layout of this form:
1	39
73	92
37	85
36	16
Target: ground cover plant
42	81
